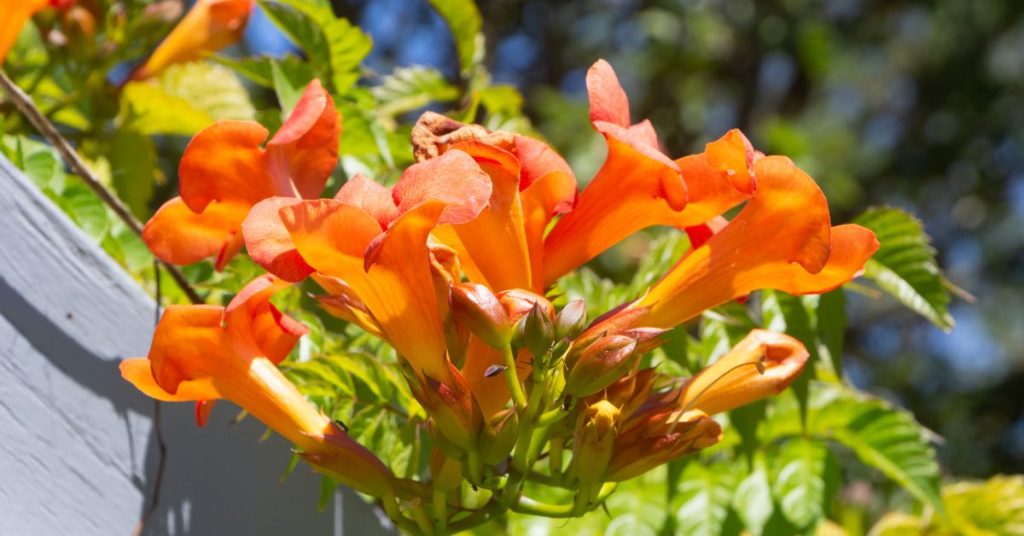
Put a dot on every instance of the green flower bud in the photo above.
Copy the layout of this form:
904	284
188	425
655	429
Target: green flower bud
571	320
474	306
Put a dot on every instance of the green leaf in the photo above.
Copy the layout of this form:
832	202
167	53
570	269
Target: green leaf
410	88
995	506
704	497
753	500
184	99
881	436
804	481
85	209
464	21
290	81
905	264
40	162
334	46
133	169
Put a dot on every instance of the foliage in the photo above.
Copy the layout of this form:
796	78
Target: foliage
781	467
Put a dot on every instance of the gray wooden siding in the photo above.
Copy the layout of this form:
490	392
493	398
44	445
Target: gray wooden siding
77	448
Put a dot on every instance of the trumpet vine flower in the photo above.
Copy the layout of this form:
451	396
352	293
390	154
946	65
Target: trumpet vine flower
204	353
224	172
208	27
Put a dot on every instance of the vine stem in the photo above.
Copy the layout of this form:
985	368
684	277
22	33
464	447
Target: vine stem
518	396
28	108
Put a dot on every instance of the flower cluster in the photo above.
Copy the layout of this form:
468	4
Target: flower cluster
453	266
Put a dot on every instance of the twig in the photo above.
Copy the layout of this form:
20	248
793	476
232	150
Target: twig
28	108
161	446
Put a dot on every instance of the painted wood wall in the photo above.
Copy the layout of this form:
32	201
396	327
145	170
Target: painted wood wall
77	448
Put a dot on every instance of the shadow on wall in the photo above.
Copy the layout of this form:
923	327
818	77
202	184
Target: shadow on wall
78	452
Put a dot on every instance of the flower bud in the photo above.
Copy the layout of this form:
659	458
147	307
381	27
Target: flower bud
538	331
518	303
761	365
452	408
594	440
499	436
474	306
658	440
571	320
601	364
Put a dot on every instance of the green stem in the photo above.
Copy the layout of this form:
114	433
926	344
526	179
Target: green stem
512	376
440	505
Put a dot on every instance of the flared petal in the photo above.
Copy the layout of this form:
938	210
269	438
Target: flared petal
637	187
453	178
268	242
716	180
225	161
251	313
370	196
781	240
15	14
763	364
304	152
389	272
138	372
208	27
496	239
177	235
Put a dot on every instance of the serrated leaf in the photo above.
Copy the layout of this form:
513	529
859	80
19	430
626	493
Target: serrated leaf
410	88
989	508
184	99
805	478
464	21
753	500
905	265
703	498
290	81
85	209
334	46
881	436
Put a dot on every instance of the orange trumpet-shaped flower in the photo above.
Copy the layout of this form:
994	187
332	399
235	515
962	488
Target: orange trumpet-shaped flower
782	239
204	353
531	183
639	186
208	27
224	172
15	14
651	439
761	365
375	240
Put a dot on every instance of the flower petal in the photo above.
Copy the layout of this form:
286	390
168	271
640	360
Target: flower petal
370	196
251	314
177	235
608	101
304	152
209	26
16	14
268	242
189	344
453	178
632	191
496	239
225	162
138	372
781	240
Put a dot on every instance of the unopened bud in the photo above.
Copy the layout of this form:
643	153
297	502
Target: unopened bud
453	409
538	331
518	303
474	306
601	364
594	441
571	320
656	441
499	436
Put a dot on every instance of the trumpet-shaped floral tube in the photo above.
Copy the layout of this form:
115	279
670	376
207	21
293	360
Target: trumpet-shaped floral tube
204	353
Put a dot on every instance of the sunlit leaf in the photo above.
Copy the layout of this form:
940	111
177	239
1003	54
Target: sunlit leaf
804	480
410	88
464	21
905	264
